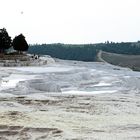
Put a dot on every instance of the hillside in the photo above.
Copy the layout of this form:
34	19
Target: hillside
130	61
84	52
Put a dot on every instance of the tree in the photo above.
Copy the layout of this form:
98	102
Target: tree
5	40
20	44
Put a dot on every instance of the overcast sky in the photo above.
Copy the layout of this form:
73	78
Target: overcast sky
72	21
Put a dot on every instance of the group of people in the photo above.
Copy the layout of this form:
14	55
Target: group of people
35	56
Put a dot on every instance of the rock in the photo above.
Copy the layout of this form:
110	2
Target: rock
25	60
43	85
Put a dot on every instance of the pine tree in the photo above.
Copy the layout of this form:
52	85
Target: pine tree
20	44
5	40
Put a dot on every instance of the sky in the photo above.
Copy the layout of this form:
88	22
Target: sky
72	21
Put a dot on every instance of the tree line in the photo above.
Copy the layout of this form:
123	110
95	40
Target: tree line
18	43
84	52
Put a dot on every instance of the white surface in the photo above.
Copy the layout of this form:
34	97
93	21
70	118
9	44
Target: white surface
44	69
82	78
87	93
13	80
107	105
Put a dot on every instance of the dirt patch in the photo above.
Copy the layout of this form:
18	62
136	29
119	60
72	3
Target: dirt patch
27	133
